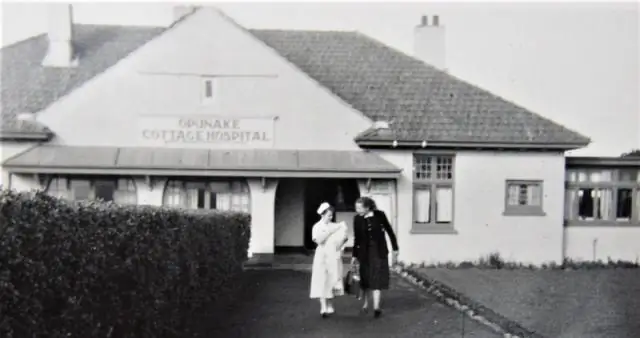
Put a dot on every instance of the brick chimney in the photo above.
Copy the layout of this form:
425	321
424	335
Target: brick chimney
429	42
60	52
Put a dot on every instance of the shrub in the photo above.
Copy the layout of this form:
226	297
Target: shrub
100	270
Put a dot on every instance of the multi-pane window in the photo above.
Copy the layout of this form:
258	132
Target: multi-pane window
219	195
118	190
433	190
523	197
59	187
603	196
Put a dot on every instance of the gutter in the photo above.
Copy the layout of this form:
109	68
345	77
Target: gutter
25	136
396	144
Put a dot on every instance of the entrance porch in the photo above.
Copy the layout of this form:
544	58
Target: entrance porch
296	202
281	189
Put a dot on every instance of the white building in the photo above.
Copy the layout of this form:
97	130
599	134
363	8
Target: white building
208	114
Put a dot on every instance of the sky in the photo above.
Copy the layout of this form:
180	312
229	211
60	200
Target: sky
576	63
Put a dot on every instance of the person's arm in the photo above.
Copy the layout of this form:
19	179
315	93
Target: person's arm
319	234
356	237
345	229
388	230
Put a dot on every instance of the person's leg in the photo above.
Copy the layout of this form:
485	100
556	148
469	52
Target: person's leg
365	297
330	308
376	302
376	299
323	306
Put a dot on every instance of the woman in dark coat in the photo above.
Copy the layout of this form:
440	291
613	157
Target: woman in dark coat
371	252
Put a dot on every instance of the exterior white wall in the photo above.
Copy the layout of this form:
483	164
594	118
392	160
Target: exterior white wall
9	149
479	197
591	243
164	79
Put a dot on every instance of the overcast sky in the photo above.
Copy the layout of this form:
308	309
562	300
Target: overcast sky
575	63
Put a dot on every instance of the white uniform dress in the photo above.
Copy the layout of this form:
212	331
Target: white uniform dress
326	273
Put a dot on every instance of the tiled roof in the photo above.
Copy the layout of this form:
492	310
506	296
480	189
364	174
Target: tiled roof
28	87
422	102
276	162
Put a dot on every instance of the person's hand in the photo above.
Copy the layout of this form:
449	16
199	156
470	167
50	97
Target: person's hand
354	261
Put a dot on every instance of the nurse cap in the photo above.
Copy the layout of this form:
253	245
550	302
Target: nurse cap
323	207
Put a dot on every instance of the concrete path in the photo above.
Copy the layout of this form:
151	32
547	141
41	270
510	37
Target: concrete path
276	304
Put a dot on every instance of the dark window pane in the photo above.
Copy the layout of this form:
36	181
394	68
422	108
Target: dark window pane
104	190
212	200
623	209
585	203
201	193
208	88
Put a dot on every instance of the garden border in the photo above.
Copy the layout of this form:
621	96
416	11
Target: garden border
476	311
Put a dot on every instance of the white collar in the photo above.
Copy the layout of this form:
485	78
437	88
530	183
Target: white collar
368	214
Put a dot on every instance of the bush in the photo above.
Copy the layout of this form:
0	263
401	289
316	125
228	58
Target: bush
100	270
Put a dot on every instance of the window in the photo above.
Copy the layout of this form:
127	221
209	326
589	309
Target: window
218	195
523	198
59	187
601	197
432	193
207	89
118	190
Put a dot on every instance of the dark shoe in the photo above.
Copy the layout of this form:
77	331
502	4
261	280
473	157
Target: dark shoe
377	313
364	310
324	315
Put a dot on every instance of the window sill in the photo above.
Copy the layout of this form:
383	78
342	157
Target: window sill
535	213
621	224
433	229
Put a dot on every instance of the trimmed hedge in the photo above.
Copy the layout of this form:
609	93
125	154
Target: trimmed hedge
101	270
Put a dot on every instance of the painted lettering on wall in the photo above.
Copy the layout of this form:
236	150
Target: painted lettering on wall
169	130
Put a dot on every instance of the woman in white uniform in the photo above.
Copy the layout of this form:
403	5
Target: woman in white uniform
326	274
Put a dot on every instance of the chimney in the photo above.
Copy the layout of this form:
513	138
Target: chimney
429	42
60	35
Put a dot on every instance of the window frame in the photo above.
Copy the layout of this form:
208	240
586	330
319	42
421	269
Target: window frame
524	210
433	183
70	195
572	188
207	186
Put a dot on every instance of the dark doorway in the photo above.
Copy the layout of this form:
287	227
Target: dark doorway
341	193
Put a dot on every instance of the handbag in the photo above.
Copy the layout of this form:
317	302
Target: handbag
352	281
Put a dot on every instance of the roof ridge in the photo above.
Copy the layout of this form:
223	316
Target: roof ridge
295	30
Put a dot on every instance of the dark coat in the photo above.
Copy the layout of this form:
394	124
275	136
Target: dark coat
380	225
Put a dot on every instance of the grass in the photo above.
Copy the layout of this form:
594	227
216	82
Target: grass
495	261
561	302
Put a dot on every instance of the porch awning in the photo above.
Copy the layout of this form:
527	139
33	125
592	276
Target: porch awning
52	159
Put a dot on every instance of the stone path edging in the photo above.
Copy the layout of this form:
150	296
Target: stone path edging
449	296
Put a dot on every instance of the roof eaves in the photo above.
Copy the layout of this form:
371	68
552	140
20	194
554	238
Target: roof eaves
467	145
22	136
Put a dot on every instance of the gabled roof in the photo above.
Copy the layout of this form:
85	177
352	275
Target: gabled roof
422	102
28	87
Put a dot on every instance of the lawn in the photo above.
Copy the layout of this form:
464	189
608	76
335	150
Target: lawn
555	303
